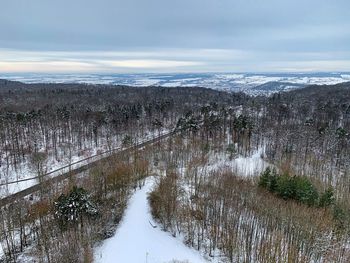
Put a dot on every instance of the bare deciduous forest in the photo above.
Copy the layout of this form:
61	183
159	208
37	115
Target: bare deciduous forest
209	191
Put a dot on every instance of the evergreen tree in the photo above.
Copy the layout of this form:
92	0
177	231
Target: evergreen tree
72	207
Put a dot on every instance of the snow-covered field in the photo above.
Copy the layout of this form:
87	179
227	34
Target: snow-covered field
137	241
251	83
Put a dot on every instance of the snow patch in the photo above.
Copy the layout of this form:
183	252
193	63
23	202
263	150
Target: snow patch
249	166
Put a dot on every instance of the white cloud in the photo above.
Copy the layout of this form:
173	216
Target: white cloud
46	66
171	60
148	64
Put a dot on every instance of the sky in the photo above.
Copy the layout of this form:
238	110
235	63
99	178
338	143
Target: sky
143	36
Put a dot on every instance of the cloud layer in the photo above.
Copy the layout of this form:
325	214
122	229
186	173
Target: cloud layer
173	36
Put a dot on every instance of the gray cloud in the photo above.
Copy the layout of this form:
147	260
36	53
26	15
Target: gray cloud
253	33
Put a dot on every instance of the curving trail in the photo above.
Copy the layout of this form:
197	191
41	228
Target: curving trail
136	241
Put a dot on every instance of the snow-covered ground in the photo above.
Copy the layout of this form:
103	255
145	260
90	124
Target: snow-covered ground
251	83
249	166
136	241
55	167
24	171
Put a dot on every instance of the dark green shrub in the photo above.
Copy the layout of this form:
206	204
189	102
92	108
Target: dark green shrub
264	178
327	198
285	187
304	191
297	187
268	179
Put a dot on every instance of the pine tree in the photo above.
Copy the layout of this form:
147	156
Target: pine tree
72	207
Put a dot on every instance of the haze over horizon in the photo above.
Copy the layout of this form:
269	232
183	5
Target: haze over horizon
174	36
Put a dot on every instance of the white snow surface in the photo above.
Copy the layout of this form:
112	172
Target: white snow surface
136	241
252	165
249	166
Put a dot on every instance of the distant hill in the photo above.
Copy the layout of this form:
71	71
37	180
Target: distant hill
249	83
334	96
276	86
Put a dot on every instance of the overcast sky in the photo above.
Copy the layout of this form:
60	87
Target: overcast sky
174	35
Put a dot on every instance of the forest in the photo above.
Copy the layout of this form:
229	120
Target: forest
241	179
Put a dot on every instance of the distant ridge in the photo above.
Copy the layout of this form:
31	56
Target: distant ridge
249	83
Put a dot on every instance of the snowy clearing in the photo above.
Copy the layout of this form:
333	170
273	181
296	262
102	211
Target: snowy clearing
136	241
249	166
